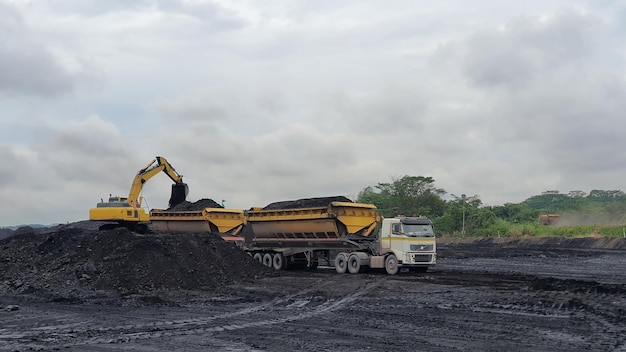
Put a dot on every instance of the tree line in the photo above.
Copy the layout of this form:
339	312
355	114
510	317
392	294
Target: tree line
454	214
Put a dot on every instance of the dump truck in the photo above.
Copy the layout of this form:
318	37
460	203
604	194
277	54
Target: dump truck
549	219
342	234
128	211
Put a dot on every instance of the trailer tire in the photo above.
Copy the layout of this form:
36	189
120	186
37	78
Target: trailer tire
278	261
391	264
341	263
258	257
267	259
354	264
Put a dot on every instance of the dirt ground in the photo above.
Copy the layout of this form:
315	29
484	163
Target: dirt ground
486	295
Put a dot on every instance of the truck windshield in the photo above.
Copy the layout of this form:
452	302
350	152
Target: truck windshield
418	230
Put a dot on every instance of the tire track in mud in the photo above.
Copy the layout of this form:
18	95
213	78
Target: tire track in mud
73	333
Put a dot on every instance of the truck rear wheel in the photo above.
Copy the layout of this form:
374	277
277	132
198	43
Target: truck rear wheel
341	263
354	264
391	264
267	260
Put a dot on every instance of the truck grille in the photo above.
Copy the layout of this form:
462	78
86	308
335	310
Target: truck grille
421	248
422	258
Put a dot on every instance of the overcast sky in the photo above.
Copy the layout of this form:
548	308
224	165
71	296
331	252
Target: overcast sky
262	101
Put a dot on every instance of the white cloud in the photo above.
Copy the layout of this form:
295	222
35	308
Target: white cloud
259	102
29	67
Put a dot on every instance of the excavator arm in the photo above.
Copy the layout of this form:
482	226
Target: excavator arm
159	164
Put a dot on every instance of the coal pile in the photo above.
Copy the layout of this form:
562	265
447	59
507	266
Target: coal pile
198	205
70	260
306	203
4	233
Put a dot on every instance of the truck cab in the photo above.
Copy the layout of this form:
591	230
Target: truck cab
411	240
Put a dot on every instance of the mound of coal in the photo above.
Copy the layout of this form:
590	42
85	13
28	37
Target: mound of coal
306	203
198	205
70	259
4	233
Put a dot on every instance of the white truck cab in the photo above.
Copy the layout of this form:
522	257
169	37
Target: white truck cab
411	240
402	243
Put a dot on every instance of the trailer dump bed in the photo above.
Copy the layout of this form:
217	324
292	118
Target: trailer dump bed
215	220
325	227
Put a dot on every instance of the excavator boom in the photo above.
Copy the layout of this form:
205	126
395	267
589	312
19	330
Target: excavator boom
159	164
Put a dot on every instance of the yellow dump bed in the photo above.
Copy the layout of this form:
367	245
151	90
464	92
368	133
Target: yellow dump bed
224	221
323	227
332	223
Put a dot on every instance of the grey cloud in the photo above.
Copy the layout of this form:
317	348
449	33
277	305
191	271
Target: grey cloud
211	14
9	166
227	108
526	48
398	110
86	150
26	66
204	105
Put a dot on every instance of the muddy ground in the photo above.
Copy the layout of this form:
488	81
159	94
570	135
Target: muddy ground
487	295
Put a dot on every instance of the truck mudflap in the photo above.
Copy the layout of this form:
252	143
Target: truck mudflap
228	222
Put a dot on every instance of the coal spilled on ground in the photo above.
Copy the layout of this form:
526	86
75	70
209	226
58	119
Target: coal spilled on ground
306	203
72	260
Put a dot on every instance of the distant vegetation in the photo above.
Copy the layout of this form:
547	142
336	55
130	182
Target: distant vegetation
597	213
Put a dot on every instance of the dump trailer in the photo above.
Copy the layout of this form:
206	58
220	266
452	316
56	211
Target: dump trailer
282	238
343	234
226	222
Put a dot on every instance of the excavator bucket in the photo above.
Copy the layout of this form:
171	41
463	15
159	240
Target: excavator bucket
179	194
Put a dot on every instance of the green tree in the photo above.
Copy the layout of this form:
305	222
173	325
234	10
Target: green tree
408	195
464	215
515	213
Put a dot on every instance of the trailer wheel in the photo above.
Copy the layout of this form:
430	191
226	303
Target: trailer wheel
258	257
354	264
267	260
391	264
341	263
278	261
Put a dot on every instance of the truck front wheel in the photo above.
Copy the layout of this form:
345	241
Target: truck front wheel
391	264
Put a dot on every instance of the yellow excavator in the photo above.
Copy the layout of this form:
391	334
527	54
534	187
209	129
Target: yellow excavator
128	211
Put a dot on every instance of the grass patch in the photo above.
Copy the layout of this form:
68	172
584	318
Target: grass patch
503	229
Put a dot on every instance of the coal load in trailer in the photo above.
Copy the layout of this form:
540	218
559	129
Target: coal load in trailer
306	203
